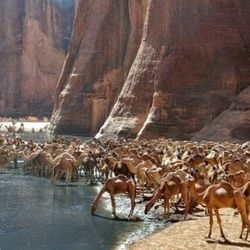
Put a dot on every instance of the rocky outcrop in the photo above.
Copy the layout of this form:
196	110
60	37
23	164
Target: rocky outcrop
174	67
34	37
233	124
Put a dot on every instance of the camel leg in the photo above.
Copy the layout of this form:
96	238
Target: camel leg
142	186
97	199
68	177
55	176
54	173
210	212
166	207
113	204
139	185
244	210
132	194
219	222
184	194
248	223
15	163
242	226
60	175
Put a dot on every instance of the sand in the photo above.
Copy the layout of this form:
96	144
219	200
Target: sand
190	234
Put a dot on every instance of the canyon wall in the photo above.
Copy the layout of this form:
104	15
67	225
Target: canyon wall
34	37
105	40
155	68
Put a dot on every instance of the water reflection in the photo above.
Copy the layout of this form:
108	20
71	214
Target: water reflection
38	215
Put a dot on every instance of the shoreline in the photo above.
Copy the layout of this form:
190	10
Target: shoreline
191	234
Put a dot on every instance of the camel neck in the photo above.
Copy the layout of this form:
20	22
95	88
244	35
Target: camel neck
196	196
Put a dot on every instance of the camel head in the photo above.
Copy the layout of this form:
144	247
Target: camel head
93	208
148	206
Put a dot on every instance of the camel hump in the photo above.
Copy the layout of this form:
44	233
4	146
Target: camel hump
122	178
226	185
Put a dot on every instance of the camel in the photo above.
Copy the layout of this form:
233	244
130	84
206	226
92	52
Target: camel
170	188
237	179
154	174
29	159
217	196
212	158
116	185
110	161
122	168
138	169
65	163
88	166
233	167
4	161
195	161
104	169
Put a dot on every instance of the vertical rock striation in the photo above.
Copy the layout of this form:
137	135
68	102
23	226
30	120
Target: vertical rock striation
34	36
193	58
152	68
104	42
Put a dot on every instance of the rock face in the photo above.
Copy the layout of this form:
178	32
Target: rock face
153	68
34	37
232	124
103	46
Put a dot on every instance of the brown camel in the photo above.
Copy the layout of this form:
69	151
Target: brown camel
169	188
234	166
116	185
221	195
4	161
237	179
139	170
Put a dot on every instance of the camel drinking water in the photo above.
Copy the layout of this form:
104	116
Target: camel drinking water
113	186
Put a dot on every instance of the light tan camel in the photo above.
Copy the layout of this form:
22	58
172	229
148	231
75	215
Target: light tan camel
221	195
113	186
233	167
29	158
65	164
139	170
169	188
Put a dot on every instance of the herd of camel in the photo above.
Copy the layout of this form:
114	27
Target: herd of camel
213	175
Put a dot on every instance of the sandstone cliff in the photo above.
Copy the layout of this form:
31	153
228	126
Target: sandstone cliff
153	68
105	40
34	37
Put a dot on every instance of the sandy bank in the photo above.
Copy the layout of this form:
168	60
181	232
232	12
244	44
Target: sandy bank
191	234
